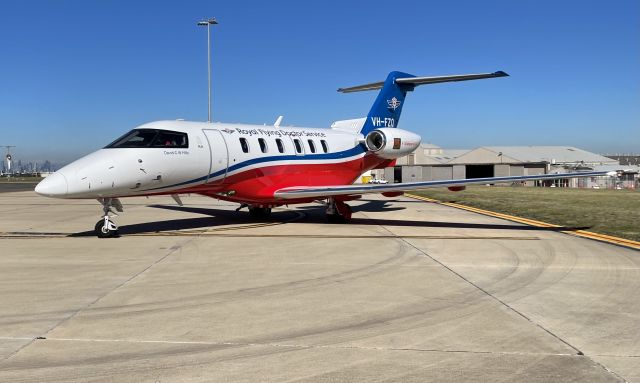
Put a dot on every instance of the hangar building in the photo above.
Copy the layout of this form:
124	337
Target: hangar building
430	162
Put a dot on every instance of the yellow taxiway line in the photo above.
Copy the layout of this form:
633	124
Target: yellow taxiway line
578	233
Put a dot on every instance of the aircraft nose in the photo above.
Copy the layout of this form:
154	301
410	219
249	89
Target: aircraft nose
54	185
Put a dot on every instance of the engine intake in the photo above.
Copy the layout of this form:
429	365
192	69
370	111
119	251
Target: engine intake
391	143
376	140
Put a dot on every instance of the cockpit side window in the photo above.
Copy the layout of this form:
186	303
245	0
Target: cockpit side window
167	139
145	138
137	138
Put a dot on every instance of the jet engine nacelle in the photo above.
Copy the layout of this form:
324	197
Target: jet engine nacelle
391	143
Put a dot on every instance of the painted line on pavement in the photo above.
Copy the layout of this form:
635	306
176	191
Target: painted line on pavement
578	233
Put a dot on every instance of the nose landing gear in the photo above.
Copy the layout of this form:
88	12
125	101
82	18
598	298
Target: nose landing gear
106	228
338	211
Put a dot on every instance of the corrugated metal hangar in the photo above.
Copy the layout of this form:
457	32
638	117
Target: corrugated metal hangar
430	162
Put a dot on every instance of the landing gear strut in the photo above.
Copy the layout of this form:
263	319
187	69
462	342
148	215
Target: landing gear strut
105	227
338	211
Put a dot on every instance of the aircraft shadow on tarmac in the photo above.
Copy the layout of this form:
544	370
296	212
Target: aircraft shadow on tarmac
313	215
363	205
214	217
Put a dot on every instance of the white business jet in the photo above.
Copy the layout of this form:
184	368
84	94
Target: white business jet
260	167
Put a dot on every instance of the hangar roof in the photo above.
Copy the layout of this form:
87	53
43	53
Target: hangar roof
432	154
448	155
530	154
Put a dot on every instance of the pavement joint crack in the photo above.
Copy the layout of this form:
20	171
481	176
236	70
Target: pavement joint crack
171	251
297	346
505	304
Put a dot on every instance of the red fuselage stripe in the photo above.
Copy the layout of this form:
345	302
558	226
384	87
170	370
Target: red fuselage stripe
258	185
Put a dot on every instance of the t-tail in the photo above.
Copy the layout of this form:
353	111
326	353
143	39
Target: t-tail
386	109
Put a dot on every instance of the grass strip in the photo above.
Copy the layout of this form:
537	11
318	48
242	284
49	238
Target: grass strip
612	212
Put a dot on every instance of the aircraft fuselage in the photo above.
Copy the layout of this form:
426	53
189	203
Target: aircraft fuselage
236	162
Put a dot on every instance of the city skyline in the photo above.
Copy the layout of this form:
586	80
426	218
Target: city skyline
27	166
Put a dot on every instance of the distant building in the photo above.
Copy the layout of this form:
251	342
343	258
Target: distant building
430	162
626	159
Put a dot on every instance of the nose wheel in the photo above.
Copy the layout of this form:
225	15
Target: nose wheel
106	228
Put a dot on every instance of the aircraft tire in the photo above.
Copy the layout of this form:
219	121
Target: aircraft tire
337	218
104	233
259	212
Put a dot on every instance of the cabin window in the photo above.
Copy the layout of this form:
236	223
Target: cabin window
325	147
280	145
263	145
146	138
244	144
312	146
298	145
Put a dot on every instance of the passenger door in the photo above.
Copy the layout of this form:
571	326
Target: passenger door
219	156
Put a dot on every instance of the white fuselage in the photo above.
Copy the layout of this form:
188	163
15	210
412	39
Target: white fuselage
218	155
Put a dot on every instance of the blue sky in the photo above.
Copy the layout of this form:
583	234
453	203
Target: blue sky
76	74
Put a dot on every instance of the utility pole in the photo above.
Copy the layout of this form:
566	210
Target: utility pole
208	23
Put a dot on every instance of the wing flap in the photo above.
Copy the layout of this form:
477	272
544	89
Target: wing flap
329	191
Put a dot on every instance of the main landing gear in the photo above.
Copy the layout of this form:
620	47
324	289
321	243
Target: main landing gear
256	211
259	212
106	228
338	211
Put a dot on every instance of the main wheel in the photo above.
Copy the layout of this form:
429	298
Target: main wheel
342	215
336	218
103	232
259	212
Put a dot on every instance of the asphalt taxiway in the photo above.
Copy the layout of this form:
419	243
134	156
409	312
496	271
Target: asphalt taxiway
410	291
16	186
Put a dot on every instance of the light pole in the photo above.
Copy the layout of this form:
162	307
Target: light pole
208	24
8	158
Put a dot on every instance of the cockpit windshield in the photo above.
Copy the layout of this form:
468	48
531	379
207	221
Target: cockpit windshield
151	138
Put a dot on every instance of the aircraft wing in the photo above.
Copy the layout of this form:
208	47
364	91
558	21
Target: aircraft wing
357	189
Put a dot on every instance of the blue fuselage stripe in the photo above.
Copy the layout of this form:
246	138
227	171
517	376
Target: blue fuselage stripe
259	160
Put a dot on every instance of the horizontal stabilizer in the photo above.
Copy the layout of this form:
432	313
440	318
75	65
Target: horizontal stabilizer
415	81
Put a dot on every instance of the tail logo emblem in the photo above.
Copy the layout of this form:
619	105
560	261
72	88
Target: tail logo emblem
394	103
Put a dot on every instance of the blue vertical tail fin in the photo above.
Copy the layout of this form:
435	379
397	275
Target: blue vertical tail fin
385	112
